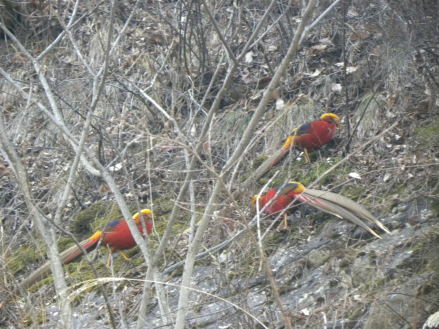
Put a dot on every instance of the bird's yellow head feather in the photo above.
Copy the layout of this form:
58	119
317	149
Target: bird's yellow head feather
146	215
330	117
254	199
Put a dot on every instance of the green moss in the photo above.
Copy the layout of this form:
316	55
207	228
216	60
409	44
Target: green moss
244	176
83	220
426	288
83	270
372	255
307	173
178	272
427	136
37	319
64	243
355	313
434	203
353	192
23	256
345	263
420	260
333	283
47	281
321	167
432	181
280	179
320	299
161	223
259	160
285	289
163	205
276	238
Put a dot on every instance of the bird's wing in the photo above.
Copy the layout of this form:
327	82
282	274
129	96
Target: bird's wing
297	132
286	188
110	227
348	204
334	209
302	130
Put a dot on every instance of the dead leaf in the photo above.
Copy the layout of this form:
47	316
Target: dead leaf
280	104
303	98
19	59
104	188
206	148
276	94
351	69
262	83
354	175
320	47
386	177
4	170
305	312
359	35
116	167
315	74
249	57
336	87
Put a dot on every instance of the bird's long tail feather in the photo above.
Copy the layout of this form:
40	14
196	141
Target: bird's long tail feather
334	209
43	271
348	204
75	253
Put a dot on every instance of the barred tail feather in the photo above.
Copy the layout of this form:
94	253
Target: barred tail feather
280	156
66	256
73	253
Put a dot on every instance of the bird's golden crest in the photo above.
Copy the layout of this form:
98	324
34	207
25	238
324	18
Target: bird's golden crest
145	213
333	116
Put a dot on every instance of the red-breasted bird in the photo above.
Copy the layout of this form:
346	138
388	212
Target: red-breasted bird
116	235
311	136
325	201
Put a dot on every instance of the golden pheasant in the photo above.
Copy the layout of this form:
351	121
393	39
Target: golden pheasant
325	201
311	136
116	235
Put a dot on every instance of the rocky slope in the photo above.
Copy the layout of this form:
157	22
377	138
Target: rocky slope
373	64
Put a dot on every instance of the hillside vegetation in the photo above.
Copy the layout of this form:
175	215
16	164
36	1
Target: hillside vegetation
180	107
